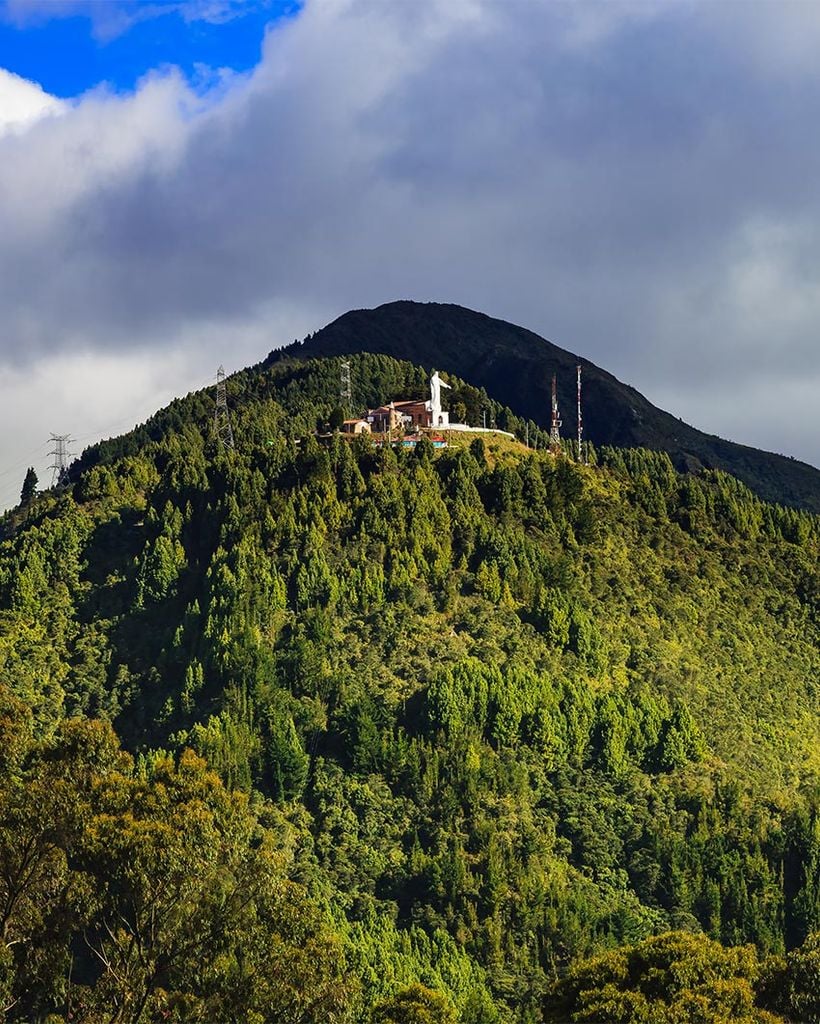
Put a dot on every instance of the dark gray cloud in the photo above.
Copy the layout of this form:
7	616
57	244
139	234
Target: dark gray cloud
638	183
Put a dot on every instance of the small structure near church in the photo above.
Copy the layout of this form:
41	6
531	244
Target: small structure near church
356	426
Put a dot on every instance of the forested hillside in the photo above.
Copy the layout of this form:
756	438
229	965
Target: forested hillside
408	735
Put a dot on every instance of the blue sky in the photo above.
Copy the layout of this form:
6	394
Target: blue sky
68	47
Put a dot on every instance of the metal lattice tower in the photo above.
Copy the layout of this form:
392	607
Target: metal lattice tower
555	423
222	419
59	468
580	419
345	388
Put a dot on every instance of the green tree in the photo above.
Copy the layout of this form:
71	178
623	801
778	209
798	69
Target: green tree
29	486
802	981
668	979
133	895
45	800
416	1004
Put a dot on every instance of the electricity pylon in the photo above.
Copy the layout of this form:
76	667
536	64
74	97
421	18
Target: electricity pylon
222	419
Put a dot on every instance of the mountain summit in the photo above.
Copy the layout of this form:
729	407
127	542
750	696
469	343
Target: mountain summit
515	366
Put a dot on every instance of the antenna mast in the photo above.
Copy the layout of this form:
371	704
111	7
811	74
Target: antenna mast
555	426
222	420
345	389
580	419
59	468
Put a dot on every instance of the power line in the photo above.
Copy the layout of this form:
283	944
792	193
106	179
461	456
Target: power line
24	461
101	431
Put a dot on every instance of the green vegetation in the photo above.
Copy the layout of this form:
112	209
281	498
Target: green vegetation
148	892
411	735
677	978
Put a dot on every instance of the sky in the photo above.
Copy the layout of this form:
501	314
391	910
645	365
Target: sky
195	182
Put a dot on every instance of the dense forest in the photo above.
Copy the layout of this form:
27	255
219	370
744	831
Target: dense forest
320	730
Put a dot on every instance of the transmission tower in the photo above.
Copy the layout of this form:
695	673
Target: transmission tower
222	420
345	389
580	418
555	424
59	468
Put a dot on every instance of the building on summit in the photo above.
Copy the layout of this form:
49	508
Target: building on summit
412	414
408	417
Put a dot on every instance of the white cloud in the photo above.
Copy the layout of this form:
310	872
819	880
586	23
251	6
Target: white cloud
632	186
22	103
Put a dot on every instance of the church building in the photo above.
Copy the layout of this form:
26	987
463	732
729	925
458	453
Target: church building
412	414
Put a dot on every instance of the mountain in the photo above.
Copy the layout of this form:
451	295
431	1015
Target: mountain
315	730
515	366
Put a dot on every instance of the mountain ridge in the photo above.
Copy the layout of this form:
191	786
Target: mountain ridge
515	366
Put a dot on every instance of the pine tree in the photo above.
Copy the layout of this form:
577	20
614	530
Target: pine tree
29	486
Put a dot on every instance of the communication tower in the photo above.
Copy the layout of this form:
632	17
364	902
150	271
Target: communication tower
59	468
222	419
345	388
555	423
580	419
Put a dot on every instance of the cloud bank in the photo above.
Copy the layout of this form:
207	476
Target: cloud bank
638	183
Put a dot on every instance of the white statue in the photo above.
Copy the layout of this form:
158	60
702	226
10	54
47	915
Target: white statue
436	384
